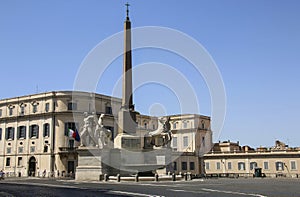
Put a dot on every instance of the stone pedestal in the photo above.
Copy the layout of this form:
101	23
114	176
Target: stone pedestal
91	163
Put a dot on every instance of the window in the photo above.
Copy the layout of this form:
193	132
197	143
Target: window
218	166
153	126
174	142
46	132
8	150
293	165
72	106
7	161
20	161
145	125
206	165
241	166
192	165
279	166
203	141
10	111
22	112
108	110
174	125
253	165
183	165
34	108
0	133
229	165
0	112
20	149
34	131
45	149
10	133
71	143
69	125
185	125
21	132
47	107
32	149
266	165
185	141
175	165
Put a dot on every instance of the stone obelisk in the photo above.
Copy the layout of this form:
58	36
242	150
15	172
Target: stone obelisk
127	116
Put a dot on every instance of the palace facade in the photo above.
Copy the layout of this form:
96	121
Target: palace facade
34	132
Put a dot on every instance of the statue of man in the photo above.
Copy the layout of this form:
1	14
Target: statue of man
87	135
101	133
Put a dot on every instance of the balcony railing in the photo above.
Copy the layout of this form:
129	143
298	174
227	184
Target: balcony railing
67	149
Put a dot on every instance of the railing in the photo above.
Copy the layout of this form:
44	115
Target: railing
67	149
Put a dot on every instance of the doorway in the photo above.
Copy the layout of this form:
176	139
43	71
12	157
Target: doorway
31	166
71	167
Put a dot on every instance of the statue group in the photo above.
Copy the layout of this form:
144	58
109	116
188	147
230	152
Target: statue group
94	133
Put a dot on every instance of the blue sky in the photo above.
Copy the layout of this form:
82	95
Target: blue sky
256	45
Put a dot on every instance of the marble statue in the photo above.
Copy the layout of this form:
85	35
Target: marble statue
93	133
101	133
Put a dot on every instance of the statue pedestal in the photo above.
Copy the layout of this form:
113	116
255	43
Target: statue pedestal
91	163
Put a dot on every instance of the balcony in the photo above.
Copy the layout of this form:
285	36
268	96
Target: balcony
67	150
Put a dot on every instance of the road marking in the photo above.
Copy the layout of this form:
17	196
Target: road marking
133	194
181	190
43	184
232	192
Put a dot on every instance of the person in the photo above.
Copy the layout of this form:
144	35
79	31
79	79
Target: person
57	173
2	175
44	173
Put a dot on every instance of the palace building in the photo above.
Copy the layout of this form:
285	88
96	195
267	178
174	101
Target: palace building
34	132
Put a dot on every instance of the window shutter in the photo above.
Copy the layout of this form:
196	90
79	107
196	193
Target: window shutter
18	133
25	132
6	133
30	131
44	130
66	129
13	133
38	131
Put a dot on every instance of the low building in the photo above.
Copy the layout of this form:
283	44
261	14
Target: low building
230	159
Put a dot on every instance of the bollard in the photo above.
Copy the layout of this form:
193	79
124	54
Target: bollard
173	177
156	177
118	177
136	178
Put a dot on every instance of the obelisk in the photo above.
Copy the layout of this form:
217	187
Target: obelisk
127	116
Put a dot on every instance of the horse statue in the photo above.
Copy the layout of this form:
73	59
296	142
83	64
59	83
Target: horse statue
163	131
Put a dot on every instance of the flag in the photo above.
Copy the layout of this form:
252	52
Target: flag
74	134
